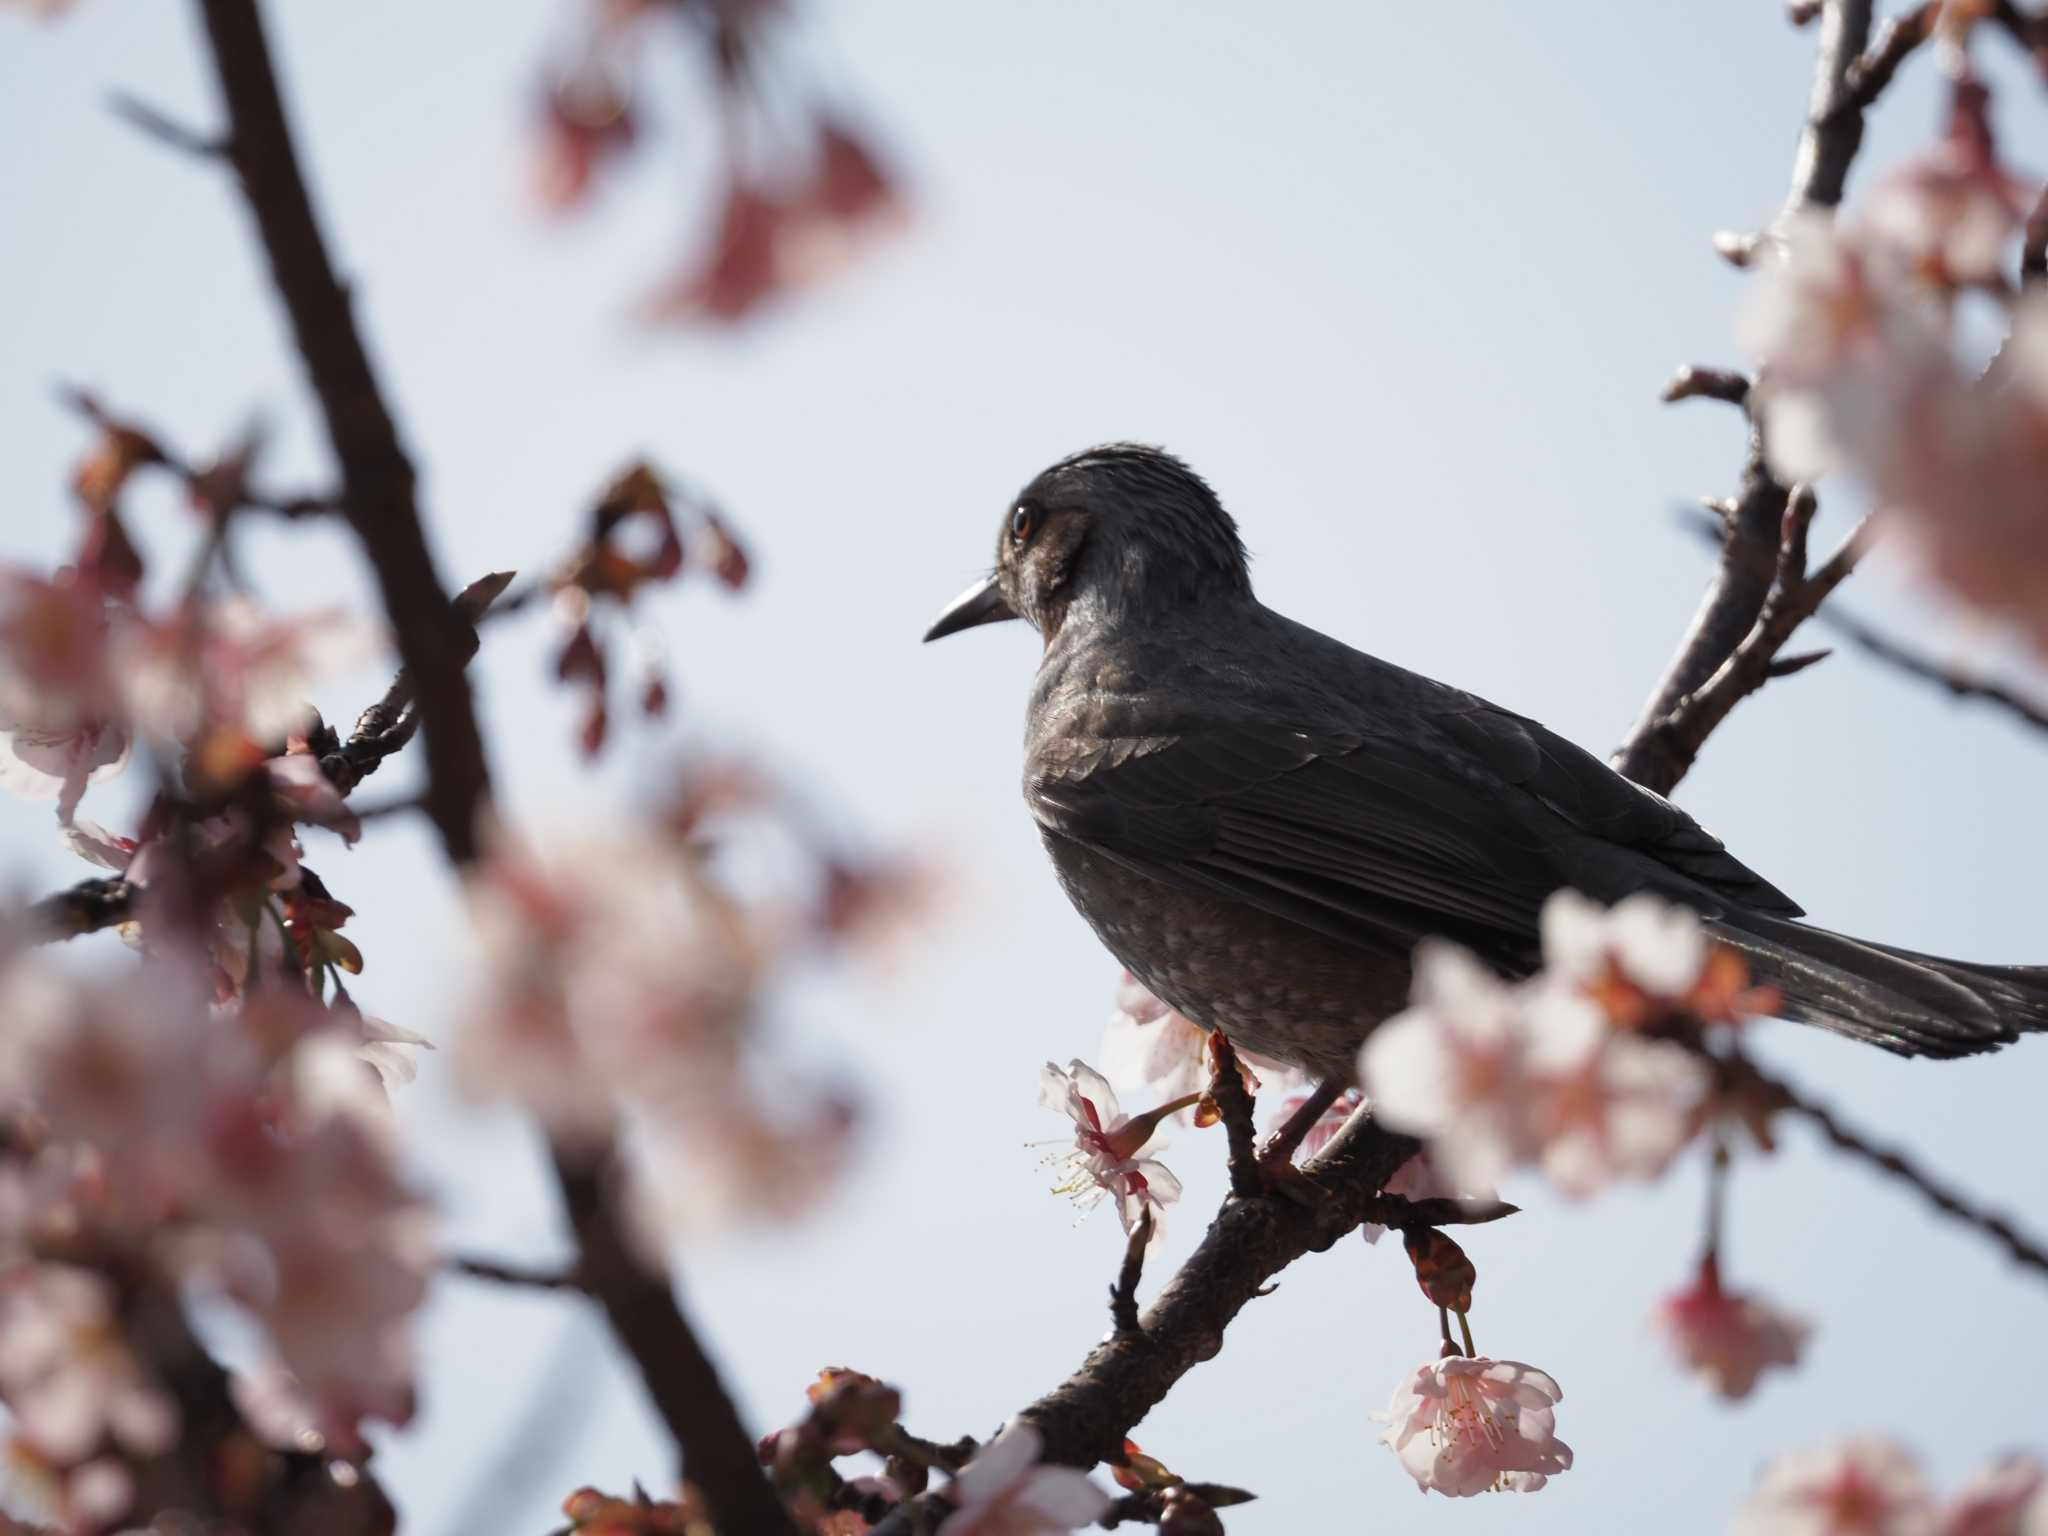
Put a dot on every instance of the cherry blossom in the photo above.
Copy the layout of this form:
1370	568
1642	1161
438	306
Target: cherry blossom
1466	1424
1104	1159
1454	1068
1953	212
1417	1179
1556	1070
1865	1486
66	1369
61	721
1148	1044
1004	1492
1728	1337
2009	1498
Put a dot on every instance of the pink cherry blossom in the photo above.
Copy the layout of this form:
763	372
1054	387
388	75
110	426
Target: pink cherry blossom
1417	1179
1004	1492
62	725
1104	1159
1148	1044
1866	1486
1953	211
1728	1337
2009	1498
1454	1068
230	666
1466	1424
66	1370
1605	1104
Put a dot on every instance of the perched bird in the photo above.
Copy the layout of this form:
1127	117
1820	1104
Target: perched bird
1261	822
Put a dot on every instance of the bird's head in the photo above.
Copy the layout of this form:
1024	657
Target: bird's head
1116	533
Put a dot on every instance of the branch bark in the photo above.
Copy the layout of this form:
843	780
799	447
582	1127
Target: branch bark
1735	599
379	495
639	1301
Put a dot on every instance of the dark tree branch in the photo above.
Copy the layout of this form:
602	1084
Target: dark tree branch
1234	1103
2034	246
717	1453
1694	382
1085	1419
84	908
1735	601
378	485
1123	1296
529	1276
1900	36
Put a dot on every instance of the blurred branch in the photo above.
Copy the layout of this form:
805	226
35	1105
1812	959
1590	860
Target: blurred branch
378	485
529	1276
717	1453
2034	247
84	908
1694	382
1874	70
1734	602
1897	1165
166	130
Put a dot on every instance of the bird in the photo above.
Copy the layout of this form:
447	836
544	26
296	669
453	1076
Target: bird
1262	823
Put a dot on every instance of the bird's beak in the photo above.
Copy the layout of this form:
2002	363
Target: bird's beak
982	603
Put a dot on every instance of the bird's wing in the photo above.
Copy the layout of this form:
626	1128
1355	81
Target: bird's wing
1459	825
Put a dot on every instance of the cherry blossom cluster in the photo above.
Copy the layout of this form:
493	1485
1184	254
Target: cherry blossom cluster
1870	1486
802	189
621	977
1868	367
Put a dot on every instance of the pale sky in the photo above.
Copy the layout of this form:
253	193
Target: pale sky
1403	281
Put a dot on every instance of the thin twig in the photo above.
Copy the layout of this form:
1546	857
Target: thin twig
1280	1145
1735	600
1695	382
1895	42
556	1277
378	484
2034	247
165	129
1123	1296
1898	1165
1234	1103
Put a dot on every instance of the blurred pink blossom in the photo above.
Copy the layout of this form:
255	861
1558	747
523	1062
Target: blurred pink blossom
1004	1492
1466	1424
1865	1486
1550	1070
66	1370
1728	1337
2008	1498
1147	1044
1953	212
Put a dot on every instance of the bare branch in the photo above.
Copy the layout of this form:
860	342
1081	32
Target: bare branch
1897	1165
640	1303
1694	382
1234	1103
528	1276
1735	601
166	130
2034	247
378	484
1891	652
84	908
1901	35
1123	1296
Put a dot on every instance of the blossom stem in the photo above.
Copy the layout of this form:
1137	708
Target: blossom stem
1717	1197
1443	1322
1465	1328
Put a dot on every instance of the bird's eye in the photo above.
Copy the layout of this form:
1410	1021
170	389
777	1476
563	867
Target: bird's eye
1023	521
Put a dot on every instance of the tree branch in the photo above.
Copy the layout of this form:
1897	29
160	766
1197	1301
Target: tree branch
1735	599
717	1453
1234	1103
378	485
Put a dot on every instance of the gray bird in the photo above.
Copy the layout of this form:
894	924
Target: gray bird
1261	822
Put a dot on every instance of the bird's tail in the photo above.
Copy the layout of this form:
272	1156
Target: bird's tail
1914	1004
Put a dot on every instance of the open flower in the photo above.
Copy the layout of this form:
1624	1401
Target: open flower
1466	1424
1004	1492
1454	1068
1104	1159
1866	1486
1729	1338
1147	1042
